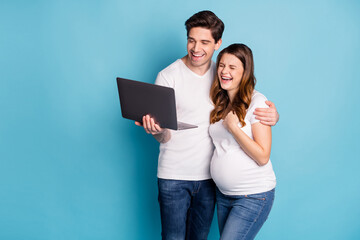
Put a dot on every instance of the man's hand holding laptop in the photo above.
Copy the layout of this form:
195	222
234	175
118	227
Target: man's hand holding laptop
162	135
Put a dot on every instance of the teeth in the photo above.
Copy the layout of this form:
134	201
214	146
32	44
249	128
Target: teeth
226	78
197	55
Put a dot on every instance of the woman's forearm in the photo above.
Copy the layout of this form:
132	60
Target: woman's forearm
258	149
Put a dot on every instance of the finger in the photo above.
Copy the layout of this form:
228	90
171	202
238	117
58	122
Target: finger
267	119
264	110
138	123
145	125
148	123
270	104
263	114
158	128
152	122
272	115
267	123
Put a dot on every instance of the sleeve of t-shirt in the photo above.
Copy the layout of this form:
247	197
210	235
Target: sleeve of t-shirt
162	80
257	101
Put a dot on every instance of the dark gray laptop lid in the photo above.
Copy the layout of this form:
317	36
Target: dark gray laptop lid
138	99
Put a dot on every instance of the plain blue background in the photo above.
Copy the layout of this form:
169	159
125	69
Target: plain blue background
72	168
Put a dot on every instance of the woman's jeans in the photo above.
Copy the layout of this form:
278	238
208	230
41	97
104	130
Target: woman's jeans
186	208
242	216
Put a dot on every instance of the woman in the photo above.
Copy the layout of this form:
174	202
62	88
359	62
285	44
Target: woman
240	166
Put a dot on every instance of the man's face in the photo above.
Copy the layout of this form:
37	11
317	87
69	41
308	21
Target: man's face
201	46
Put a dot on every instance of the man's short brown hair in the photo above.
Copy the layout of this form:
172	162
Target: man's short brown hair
208	20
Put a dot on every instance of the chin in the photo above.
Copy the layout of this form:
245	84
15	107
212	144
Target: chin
199	62
223	88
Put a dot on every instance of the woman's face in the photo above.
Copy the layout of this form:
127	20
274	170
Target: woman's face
230	72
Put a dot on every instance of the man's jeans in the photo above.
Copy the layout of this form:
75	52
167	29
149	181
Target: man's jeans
241	217
186	208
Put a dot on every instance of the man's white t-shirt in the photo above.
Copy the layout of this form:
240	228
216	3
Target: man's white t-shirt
233	171
187	155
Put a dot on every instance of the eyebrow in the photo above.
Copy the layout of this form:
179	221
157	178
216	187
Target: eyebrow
204	40
229	65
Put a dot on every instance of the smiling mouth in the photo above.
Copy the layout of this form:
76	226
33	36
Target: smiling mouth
196	56
226	79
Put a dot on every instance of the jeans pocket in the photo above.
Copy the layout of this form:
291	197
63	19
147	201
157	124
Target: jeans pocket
258	196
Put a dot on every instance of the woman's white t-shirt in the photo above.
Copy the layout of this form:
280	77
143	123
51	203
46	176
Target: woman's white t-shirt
233	171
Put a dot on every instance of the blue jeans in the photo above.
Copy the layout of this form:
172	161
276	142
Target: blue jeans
186	208
242	216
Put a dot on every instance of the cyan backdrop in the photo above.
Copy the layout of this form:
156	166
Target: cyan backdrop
72	168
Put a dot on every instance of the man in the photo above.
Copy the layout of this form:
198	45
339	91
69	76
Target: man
186	191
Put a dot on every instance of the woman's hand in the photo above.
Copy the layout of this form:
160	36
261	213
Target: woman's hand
231	121
259	147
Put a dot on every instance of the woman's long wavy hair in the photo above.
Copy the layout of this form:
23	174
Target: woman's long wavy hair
242	98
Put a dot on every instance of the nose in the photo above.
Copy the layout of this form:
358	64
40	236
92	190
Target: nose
196	46
224	70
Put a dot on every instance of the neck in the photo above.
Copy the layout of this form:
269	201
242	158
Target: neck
199	70
231	95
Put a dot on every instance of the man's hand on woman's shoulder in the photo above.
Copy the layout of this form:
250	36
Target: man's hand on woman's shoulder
267	116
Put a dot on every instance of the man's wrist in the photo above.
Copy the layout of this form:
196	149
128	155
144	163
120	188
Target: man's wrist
160	133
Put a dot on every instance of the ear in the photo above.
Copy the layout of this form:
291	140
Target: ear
218	44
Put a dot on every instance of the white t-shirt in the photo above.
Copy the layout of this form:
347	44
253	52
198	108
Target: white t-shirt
188	153
233	171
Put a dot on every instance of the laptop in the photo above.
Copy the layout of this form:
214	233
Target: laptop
138	99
